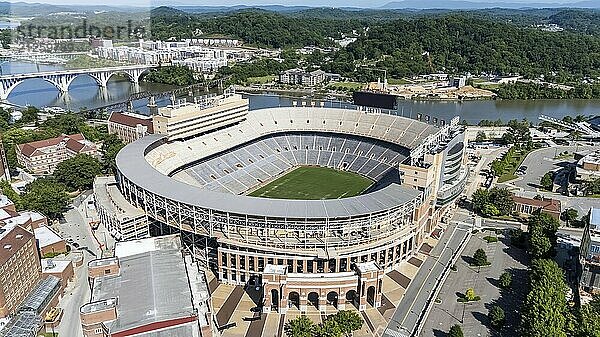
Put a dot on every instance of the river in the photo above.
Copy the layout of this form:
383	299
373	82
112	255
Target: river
84	93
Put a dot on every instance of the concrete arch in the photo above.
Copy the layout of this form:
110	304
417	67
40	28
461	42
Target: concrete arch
127	74
352	298
12	85
274	299
371	296
332	298
313	299
294	299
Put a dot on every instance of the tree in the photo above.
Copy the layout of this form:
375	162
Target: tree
547	181
8	191
569	215
490	210
46	196
110	147
328	328
539	244
588	322
348	320
455	331
502	199
496	316
480	258
78	173
480	198
542	234
493	202
172	75
505	280
545	311
300	326
481	137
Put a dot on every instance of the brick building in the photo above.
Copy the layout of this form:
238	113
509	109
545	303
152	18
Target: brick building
43	156
129	127
530	206
19	267
49	242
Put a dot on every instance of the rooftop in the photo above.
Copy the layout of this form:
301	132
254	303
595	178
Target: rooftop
152	285
206	106
41	295
12	238
595	218
28	149
544	203
5	201
54	266
134	247
131	120
103	262
46	236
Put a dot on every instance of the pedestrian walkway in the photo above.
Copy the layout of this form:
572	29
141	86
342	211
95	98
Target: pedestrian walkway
226	309
410	311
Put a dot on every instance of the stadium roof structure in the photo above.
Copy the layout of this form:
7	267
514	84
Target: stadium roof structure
132	163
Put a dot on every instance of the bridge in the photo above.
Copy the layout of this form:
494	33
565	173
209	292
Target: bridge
582	127
62	79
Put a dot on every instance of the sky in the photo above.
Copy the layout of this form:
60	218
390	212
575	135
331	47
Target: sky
320	3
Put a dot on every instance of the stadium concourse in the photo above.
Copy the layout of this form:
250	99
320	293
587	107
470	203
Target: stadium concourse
298	255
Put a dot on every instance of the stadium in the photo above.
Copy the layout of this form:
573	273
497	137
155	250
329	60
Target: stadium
313	205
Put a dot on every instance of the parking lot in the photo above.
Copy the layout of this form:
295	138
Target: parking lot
473	316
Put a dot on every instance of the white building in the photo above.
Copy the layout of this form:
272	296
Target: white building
184	120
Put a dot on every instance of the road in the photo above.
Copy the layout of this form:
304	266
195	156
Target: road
412	307
77	293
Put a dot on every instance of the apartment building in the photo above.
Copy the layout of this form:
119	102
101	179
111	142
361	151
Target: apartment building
299	76
43	156
129	127
184	120
19	267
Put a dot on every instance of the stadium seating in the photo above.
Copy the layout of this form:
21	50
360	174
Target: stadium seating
245	167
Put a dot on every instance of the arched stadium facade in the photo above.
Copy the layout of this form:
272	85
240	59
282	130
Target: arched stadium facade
302	252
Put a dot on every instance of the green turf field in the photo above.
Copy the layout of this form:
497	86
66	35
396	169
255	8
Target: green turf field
313	183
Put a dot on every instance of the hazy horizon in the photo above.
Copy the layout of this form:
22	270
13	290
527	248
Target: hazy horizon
310	3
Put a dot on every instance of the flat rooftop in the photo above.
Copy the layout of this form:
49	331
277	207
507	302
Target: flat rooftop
54	266
46	236
151	287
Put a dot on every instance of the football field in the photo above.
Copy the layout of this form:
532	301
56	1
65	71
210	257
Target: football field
314	183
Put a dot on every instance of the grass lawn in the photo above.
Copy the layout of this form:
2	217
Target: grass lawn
261	79
396	81
346	85
514	162
314	183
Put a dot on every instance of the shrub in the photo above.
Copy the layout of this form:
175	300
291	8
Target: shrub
490	239
455	331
